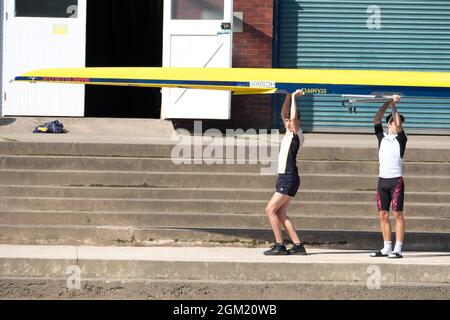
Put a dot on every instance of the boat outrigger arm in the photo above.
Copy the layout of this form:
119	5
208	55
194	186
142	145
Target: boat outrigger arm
349	101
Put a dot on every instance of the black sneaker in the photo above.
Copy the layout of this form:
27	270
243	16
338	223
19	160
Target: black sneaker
298	249
276	250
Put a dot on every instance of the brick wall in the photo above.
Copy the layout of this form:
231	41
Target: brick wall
251	49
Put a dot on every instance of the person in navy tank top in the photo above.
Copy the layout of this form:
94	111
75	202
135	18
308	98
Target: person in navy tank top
288	181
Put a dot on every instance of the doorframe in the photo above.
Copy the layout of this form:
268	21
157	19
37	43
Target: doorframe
166	54
9	16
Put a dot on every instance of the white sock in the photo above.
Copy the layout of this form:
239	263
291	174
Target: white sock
398	247
387	247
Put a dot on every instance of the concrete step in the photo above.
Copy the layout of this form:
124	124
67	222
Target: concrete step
86	149
148	148
346	269
209	180
337	239
211	220
164	164
328	208
212	193
149	236
414	154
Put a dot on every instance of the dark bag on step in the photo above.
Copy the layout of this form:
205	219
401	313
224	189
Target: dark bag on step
51	127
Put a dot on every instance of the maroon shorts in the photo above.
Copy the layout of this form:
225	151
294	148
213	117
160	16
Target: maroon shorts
390	191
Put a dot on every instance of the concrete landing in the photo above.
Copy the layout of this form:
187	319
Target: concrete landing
218	273
235	263
152	131
88	130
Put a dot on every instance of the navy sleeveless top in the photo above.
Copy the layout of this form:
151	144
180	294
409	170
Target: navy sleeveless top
287	160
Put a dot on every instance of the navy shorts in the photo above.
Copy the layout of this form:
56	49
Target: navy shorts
288	184
390	191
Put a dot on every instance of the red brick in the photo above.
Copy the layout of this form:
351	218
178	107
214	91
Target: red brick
253	49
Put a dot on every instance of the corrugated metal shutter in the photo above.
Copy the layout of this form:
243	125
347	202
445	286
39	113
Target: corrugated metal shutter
331	34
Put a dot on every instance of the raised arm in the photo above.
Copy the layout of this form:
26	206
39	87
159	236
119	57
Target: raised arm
286	107
295	114
294	111
379	115
395	114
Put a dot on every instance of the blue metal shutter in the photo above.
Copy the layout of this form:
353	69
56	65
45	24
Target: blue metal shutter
329	34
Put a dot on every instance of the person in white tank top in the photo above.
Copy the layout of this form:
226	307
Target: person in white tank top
391	187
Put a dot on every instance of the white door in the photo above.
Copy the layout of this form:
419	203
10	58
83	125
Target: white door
43	34
197	33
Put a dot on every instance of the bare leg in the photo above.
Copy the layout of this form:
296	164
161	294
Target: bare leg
277	201
399	226
287	222
385	225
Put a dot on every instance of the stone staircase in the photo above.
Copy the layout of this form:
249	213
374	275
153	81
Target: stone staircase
134	225
134	195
